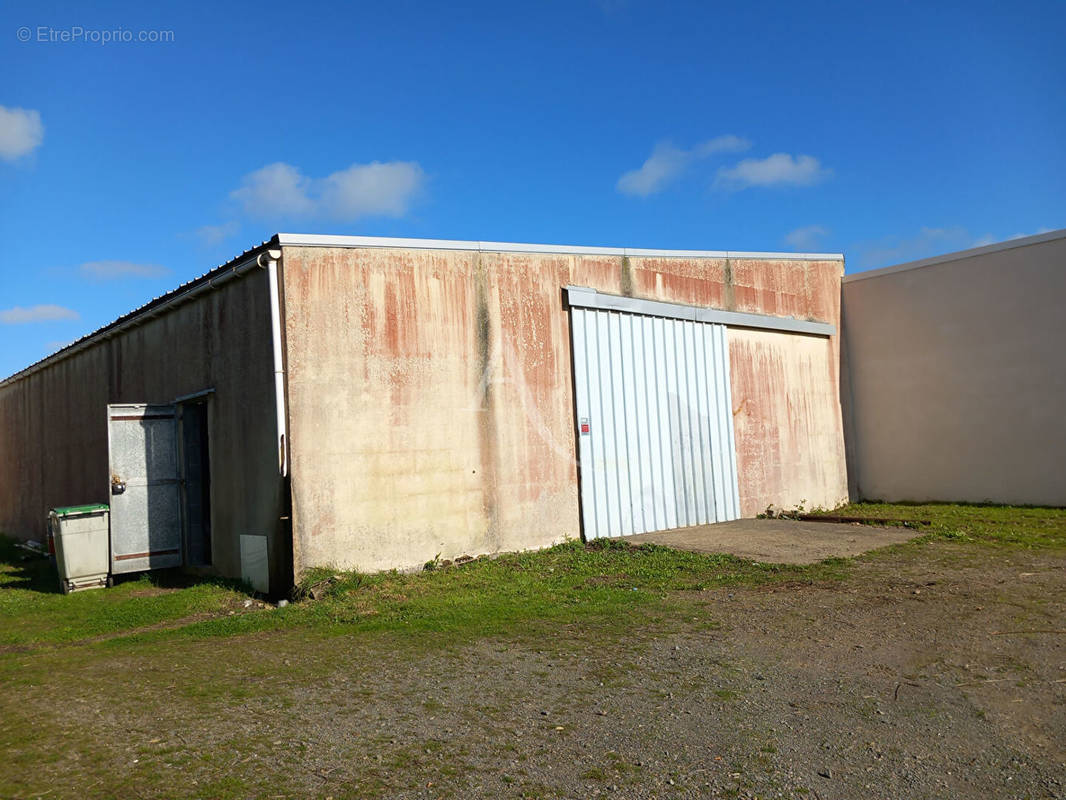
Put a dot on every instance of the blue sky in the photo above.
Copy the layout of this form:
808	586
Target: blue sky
888	131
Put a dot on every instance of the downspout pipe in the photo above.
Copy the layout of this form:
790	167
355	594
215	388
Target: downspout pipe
269	261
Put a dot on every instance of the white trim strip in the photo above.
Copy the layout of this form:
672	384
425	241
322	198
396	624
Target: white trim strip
583	297
320	240
1010	244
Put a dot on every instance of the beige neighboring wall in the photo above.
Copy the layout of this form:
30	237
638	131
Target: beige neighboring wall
958	376
431	401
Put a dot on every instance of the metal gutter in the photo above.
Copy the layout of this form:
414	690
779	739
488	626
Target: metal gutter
150	310
583	297
1010	244
270	262
321	240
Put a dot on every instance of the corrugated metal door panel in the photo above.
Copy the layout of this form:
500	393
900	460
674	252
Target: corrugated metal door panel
655	423
669	489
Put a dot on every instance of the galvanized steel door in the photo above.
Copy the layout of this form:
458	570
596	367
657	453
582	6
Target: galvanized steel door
145	487
655	423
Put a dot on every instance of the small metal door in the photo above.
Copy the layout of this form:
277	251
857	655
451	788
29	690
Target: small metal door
145	487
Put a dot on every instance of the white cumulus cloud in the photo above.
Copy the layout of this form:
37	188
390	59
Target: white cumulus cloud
275	190
117	270
780	169
43	313
988	238
210	235
21	132
667	162
376	189
807	238
926	243
901	249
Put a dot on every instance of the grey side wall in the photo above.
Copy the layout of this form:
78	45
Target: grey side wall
53	425
957	379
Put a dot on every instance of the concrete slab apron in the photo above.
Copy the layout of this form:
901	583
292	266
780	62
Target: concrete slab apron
779	541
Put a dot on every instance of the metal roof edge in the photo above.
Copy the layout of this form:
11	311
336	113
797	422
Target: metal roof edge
145	310
1009	244
325	240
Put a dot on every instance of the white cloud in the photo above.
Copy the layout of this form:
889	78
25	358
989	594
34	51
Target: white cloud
928	242
667	161
611	7
375	189
43	313
780	169
275	190
808	238
211	235
899	250
116	270
21	132
721	144
989	238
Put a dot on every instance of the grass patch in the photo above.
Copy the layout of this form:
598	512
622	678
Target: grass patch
1027	527
34	612
609	580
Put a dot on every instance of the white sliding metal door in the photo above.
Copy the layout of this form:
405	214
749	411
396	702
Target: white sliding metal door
655	422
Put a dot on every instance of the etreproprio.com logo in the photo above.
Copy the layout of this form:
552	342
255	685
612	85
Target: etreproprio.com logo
77	34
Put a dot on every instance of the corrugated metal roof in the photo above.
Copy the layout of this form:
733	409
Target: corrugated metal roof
188	286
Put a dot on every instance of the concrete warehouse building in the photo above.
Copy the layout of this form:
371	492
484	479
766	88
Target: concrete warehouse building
374	403
957	373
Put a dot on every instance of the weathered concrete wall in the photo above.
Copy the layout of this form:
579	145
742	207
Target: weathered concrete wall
431	400
786	413
958	378
53	422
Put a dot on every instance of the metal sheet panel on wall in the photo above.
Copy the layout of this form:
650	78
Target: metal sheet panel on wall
655	423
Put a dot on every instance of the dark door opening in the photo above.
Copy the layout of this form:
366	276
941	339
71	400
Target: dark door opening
196	482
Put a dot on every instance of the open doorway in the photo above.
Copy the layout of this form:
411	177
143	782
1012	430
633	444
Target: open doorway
196	482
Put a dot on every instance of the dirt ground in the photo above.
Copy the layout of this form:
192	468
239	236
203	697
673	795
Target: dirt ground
936	673
780	541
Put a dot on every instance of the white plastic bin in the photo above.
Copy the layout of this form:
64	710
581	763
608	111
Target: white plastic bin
81	537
